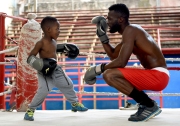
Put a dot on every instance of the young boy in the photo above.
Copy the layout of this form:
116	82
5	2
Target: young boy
49	73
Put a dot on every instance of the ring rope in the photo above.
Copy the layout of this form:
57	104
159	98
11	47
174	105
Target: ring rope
96	54
9	50
105	55
6	63
5	92
9	89
120	94
85	53
11	40
105	93
7	84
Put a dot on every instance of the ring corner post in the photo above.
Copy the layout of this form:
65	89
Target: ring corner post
2	56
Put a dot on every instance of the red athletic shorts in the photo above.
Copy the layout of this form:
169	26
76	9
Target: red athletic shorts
155	79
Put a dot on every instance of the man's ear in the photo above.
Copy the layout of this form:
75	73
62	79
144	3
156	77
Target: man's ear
120	19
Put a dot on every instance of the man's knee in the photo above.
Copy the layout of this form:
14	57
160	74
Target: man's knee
107	75
111	75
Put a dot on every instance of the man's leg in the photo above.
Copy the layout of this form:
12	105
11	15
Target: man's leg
115	78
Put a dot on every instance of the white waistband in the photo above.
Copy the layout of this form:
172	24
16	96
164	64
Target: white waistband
53	59
161	69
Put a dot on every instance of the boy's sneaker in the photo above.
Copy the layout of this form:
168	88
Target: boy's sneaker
78	107
145	113
29	115
129	106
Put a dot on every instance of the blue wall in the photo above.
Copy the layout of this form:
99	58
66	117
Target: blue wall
174	84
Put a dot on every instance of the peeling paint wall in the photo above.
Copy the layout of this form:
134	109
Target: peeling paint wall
49	5
14	7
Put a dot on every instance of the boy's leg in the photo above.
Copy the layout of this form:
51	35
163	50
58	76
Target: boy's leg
65	85
44	86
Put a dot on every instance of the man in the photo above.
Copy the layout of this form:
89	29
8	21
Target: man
130	81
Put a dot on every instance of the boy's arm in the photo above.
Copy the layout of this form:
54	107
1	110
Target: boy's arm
46	66
36	49
32	60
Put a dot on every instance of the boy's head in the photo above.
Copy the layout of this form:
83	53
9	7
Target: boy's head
50	25
118	14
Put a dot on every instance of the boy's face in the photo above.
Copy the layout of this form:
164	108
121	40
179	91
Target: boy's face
55	30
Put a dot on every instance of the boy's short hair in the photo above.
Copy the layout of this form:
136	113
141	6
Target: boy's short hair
48	20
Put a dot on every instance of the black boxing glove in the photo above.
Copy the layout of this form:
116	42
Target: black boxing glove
46	65
70	50
49	64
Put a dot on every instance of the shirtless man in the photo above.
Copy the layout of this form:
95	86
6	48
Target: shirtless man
130	81
49	73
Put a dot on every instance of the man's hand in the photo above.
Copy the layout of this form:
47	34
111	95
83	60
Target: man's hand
102	26
92	72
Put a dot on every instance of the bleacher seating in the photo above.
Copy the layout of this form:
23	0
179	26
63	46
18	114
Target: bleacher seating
76	27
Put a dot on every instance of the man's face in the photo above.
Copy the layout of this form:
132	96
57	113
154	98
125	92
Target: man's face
112	21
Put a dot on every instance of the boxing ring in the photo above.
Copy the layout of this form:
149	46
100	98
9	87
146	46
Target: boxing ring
95	115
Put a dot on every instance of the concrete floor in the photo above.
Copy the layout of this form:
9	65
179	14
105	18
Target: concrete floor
115	117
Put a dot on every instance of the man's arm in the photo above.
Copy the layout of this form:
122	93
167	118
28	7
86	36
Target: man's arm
128	39
125	51
111	51
102	26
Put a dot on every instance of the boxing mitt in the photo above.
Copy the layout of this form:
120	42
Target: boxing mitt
102	26
92	72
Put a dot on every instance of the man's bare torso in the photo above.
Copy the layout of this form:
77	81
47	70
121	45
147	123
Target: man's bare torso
146	49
